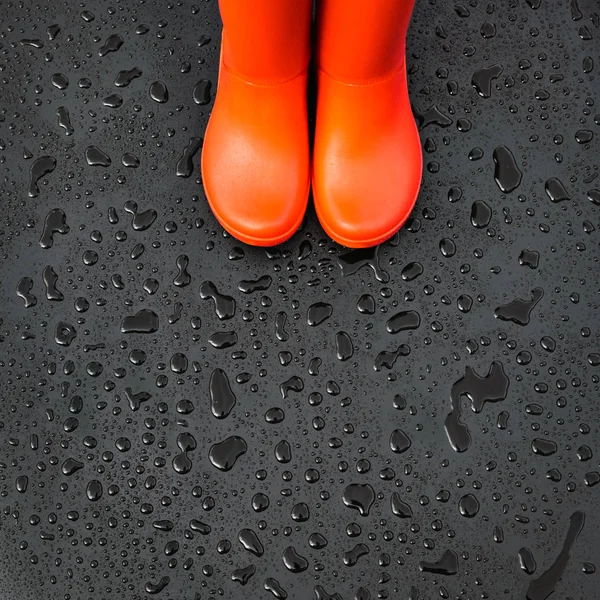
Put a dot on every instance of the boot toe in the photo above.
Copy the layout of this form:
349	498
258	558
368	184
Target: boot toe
261	215
369	205
367	161
255	159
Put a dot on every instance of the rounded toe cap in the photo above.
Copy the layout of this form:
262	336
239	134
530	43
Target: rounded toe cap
369	226
363	203
261	226
366	171
255	166
254	201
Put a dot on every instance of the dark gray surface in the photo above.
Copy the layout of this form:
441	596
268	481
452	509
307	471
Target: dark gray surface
62	403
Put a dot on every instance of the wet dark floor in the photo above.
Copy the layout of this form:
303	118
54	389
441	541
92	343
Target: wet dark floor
186	417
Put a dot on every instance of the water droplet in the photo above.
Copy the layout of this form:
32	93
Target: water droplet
52	31
468	506
366	304
344	346
41	166
293	561
223	339
64	120
359	497
221	397
273	586
94	490
113	101
447	247
411	271
352	261
21	483
318	313
249	286
481	214
542	587
24	288
50	280
543	447
399	441
493	387
96	157
387	359
529	258
446	565
526	561
400	508
125	77
556	190
112	44
223	455
140	220
144	321
351	557
432	116
201	93
594	197
64	333
250	542
507	174
519	311
243	576
185	164
130	160
159	92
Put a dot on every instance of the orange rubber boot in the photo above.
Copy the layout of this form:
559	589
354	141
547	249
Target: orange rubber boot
255	158
367	159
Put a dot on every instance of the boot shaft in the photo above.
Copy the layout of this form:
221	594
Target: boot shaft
266	41
361	40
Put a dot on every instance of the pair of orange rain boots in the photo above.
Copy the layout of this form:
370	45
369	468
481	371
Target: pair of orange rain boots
366	163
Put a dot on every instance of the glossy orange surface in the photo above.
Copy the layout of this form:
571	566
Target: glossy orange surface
367	161
255	158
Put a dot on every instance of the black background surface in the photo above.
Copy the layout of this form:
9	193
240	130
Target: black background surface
96	498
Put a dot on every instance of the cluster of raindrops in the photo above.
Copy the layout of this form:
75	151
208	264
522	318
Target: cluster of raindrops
187	417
